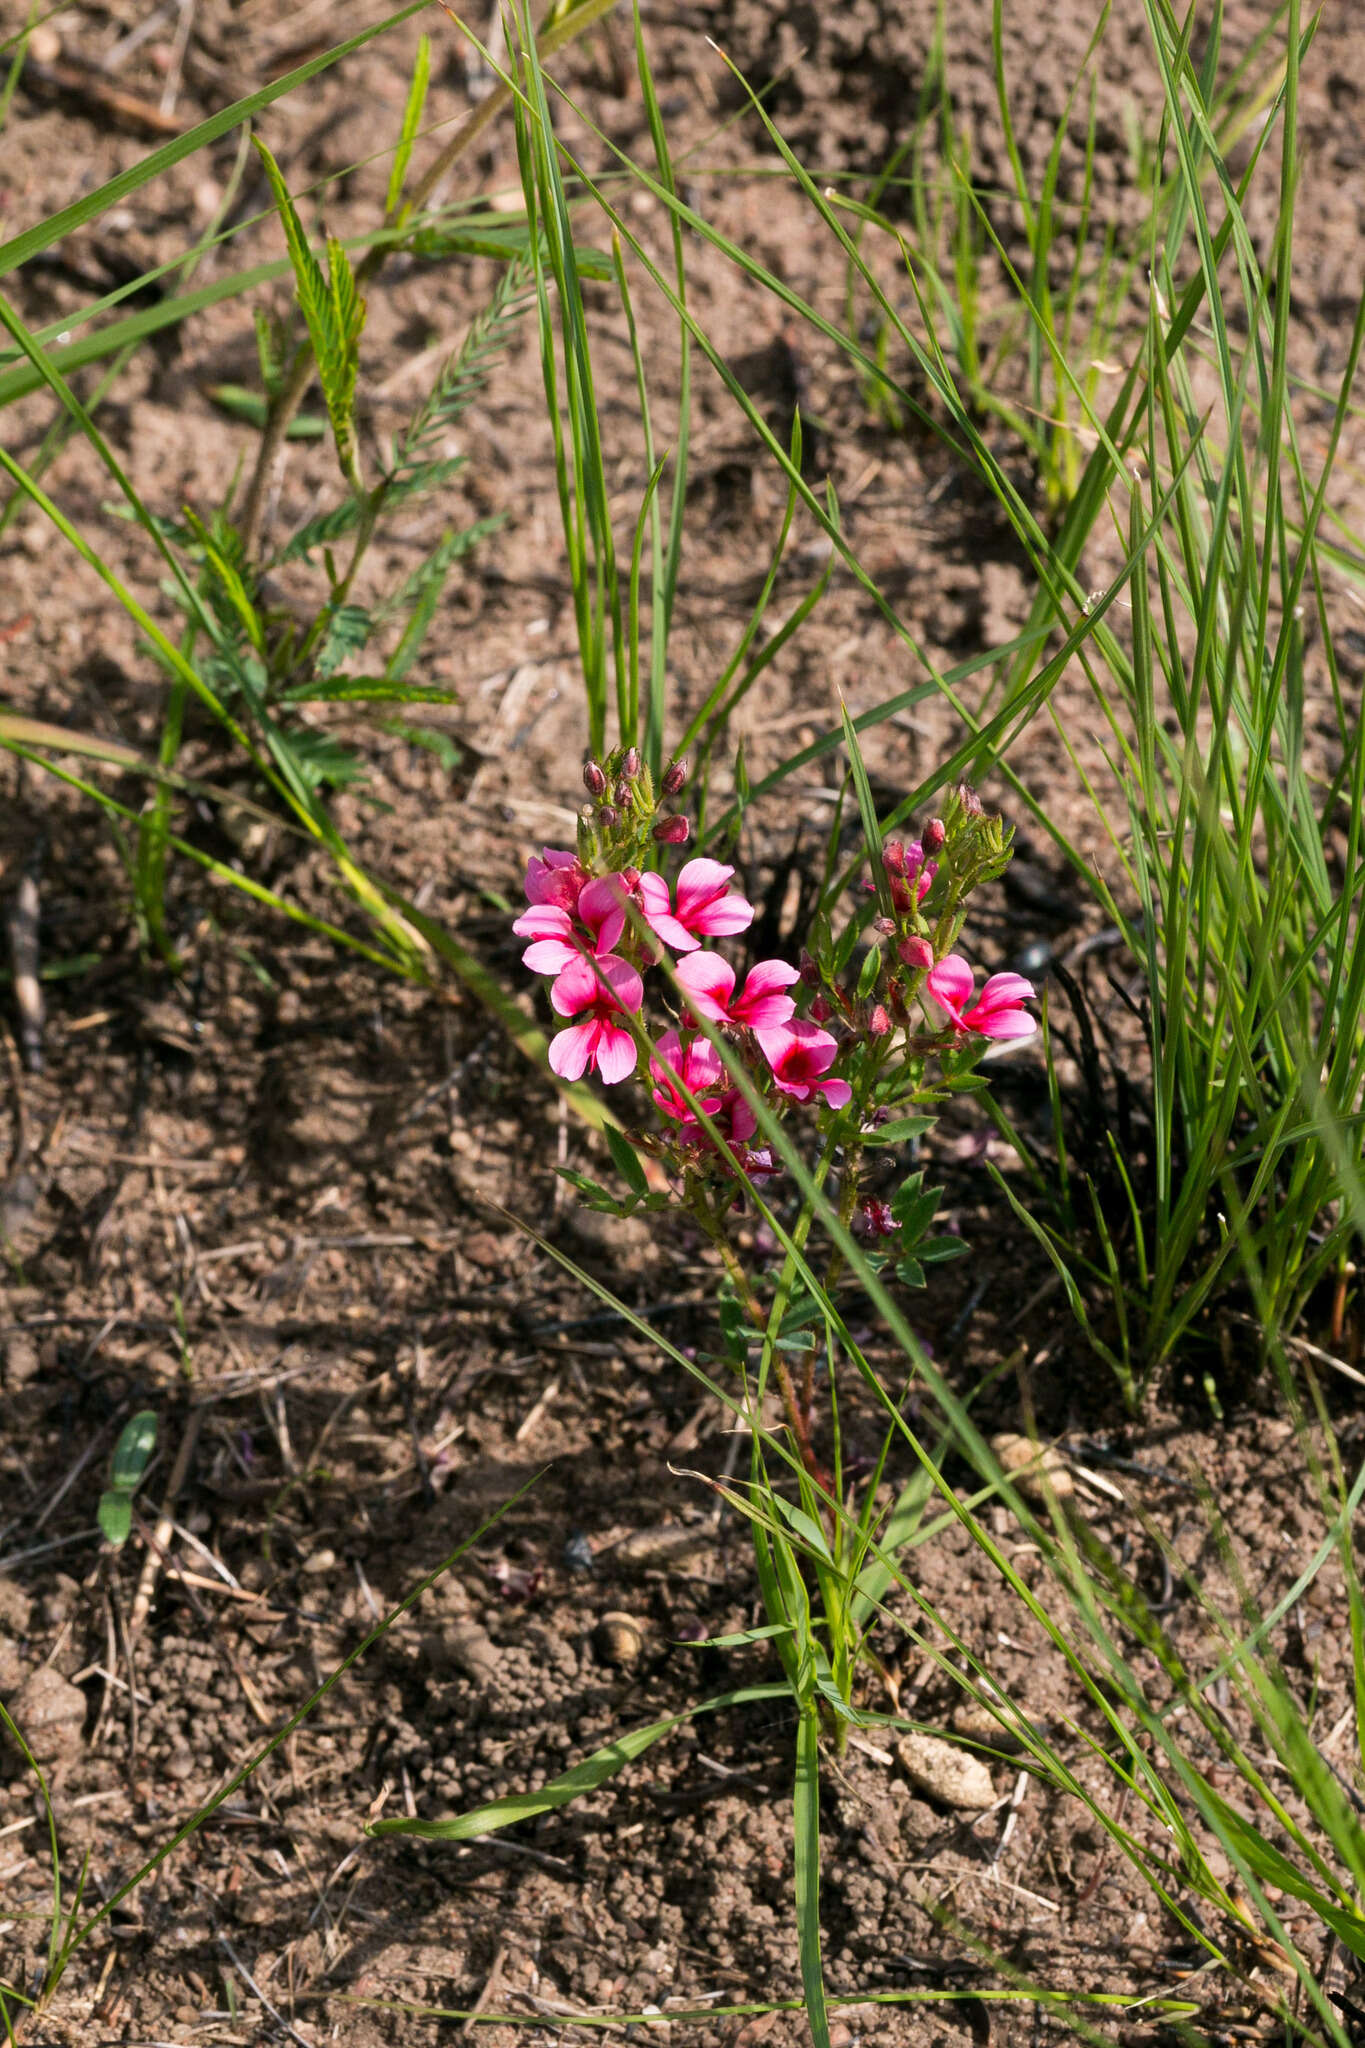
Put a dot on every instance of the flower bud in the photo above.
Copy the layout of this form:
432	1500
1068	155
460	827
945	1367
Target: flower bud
809	969
630	878
878	1024
877	1219
630	766
621	794
821	1010
893	857
916	952
594	781
607	817
902	895
673	778
671	831
933	836
884	926
969	800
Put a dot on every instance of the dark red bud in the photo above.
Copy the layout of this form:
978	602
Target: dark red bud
673	778
621	793
672	831
808	969
630	766
821	1011
933	836
893	857
916	952
878	1220
594	781
878	1023
902	895
607	817
631	878
884	926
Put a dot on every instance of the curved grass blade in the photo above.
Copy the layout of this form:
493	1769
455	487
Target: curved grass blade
594	1770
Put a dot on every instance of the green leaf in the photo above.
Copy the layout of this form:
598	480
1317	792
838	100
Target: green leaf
584	1777
627	1161
806	1847
869	971
133	1451
342	519
319	758
423	588
272	353
241	404
115	1517
347	631
597	1196
742	1637
447	751
334	313
412	121
867	811
903	1130
467	368
364	690
736	1330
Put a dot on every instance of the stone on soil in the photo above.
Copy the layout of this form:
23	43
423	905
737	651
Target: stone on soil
942	1771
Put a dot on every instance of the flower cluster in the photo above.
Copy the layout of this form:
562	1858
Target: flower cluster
600	918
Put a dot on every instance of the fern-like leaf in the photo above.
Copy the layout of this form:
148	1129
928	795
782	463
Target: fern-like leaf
412	117
467	369
334	313
330	527
348	628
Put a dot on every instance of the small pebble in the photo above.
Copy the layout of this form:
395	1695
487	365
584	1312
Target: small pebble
49	1713
943	1772
618	1639
1037	1469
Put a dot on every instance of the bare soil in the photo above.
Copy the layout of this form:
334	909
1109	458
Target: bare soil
266	1199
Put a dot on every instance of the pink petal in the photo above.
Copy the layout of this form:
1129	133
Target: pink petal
763	1004
615	1053
658	915
601	907
950	982
575	988
549	956
544	921
1004	989
837	1094
571	1050
556	879
776	1044
710	983
766	975
743	1122
699	881
1002	1023
624	983
723	917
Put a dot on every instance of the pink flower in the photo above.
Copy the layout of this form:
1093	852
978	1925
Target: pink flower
600	907
710	984
799	1053
698	1067
602	988
557	879
702	906
994	1014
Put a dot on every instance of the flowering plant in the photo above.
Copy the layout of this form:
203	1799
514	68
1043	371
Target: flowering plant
844	1050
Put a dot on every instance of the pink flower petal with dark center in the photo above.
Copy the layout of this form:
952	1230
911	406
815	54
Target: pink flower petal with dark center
656	909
